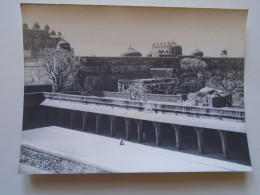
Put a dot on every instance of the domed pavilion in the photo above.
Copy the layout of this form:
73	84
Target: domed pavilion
197	53
63	46
130	52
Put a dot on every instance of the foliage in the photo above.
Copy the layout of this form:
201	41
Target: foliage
193	64
137	90
25	26
46	28
226	81
59	34
53	33
92	84
36	26
61	68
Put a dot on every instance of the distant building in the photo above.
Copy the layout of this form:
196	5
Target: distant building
166	49
63	46
197	53
36	40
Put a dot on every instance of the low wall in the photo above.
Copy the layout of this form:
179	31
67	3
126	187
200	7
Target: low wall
196	111
147	97
163	98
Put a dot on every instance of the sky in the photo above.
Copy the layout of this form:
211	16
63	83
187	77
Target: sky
109	30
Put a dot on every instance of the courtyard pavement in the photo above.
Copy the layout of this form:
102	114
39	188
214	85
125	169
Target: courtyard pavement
107	153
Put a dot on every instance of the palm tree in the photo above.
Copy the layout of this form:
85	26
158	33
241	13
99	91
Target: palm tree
25	26
36	26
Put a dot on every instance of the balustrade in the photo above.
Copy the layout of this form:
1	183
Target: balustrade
210	112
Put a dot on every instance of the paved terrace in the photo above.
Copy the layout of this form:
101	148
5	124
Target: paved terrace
227	119
198	118
106	153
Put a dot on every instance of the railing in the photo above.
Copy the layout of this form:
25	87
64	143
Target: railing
156	107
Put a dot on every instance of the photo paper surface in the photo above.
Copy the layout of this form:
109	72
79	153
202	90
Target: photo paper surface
113	89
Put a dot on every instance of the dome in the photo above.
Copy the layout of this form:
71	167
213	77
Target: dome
63	46
175	49
131	52
197	53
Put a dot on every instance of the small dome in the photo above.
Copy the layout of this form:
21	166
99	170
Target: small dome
131	52
175	49
63	46
197	53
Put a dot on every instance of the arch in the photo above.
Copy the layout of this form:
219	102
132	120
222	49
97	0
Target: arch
104	125
120	128
189	139
91	122
149	137
168	136
212	142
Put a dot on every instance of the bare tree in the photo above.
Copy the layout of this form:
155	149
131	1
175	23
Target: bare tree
61	67
227	81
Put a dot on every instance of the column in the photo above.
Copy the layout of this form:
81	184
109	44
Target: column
97	123
223	137
177	130
199	132
84	121
61	114
112	125
139	130
72	117
157	127
127	127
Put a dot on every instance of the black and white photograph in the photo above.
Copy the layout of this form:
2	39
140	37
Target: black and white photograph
127	89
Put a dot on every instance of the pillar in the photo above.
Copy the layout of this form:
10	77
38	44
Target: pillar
61	114
157	127
177	130
97	123
223	137
139	130
72	117
199	132
112	125
127	127
84	121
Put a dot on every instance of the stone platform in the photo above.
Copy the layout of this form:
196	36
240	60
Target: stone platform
104	153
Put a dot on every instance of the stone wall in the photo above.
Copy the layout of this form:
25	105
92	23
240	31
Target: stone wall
53	163
34	74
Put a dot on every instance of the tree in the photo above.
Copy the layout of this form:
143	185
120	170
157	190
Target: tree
59	34
25	26
193	64
53	33
227	81
46	28
61	68
36	26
